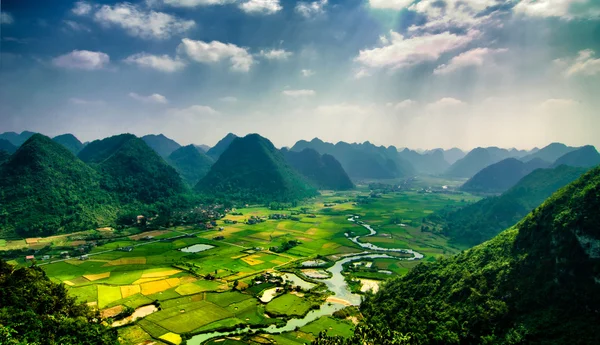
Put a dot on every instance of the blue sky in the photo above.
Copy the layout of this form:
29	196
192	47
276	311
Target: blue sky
420	74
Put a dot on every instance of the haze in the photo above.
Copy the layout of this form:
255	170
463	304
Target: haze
419	74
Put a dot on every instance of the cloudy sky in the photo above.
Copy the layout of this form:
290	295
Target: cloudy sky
410	73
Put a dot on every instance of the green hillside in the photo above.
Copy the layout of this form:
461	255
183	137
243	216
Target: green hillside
500	176
216	151
7	146
484	219
35	310
585	156
324	171
70	142
132	170
191	163
16	139
253	170
46	190
535	283
161	144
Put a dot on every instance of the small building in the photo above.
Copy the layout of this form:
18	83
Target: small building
46	257
126	249
64	254
140	219
30	258
84	257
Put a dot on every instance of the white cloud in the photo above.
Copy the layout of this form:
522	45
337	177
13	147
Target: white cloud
80	101
215	51
452	13
390	4
407	103
298	93
261	6
75	26
473	57
194	112
557	103
6	18
275	54
548	8
154	98
82	59
163	63
310	9
583	64
307	73
445	104
401	52
362	73
82	8
142	23
193	3
228	99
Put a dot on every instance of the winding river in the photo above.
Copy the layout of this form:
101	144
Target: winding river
335	284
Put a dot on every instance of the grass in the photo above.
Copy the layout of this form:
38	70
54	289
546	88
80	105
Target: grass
289	305
188	317
333	327
108	294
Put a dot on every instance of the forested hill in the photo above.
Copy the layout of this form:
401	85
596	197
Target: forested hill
585	156
324	171
253	170
535	283
7	146
34	310
132	170
161	144
216	151
500	176
46	189
16	139
70	142
484	219
191	163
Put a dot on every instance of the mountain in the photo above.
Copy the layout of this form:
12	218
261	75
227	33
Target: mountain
47	190
4	156
161	144
585	156
453	154
549	153
252	170
202	147
15	138
362	160
430	162
216	151
191	163
7	146
484	219
70	142
535	283
500	176
324	171
476	160
132	170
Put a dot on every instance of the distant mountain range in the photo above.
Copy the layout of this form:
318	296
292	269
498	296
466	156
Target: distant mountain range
585	156
70	142
430	162
16	139
251	169
324	171
478	159
549	153
7	146
161	144
484	219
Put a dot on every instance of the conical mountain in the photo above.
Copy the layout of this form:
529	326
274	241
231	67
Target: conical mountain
216	151
550	153
7	146
430	163
16	139
453	154
500	176
161	144
324	171
191	163
585	156
535	283
476	160
253	170
46	190
132	170
70	142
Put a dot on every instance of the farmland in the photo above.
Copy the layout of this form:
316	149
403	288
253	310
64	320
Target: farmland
218	288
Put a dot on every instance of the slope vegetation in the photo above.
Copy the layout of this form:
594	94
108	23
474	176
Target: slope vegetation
191	163
70	142
500	176
585	156
324	171
161	144
216	151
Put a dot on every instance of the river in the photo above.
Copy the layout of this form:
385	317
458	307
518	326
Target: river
336	284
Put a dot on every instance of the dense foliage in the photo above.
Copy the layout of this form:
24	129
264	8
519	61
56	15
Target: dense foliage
34	310
500	176
4	156
70	142
7	146
191	163
362	160
253	170
484	219
216	151
45	189
535	283
585	156
160	144
132	170
324	171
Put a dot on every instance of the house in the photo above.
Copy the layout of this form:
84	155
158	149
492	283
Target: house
30	258
84	257
46	257
125	249
140	219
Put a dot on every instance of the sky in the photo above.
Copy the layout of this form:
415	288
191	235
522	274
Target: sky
410	73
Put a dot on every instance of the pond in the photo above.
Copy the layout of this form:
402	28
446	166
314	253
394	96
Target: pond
196	248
